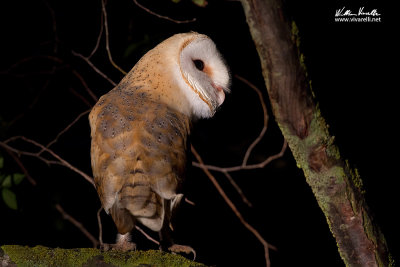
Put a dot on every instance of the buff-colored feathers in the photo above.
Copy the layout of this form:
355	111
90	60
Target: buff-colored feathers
140	128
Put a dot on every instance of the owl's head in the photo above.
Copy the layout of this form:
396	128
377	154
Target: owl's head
205	76
187	72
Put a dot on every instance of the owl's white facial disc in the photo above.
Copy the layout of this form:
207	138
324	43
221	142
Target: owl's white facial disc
205	74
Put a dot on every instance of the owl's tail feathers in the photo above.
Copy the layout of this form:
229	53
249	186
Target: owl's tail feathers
142	203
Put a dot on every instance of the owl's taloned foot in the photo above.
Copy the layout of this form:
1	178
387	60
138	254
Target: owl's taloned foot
123	244
175	248
105	247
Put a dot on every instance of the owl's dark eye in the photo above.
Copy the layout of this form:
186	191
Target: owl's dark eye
199	64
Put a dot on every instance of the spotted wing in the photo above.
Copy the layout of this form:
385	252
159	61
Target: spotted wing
138	156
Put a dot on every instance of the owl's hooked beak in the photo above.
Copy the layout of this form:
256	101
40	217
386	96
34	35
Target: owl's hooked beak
220	93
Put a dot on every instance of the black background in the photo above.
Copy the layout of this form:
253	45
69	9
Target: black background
352	67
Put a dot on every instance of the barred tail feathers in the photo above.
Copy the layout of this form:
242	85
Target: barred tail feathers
137	197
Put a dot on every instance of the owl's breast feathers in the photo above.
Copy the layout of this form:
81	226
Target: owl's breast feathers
138	156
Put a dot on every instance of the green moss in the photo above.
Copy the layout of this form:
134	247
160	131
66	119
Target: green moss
295	34
377	238
302	59
335	184
391	261
152	257
42	257
318	136
356	179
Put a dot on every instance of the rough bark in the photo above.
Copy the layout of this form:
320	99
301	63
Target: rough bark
11	255
337	187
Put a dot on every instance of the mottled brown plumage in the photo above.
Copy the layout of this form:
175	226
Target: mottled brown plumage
140	129
139	156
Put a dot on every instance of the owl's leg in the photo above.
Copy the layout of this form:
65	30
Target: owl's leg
123	243
125	222
166	241
165	237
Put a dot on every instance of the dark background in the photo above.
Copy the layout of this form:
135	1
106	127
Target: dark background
351	66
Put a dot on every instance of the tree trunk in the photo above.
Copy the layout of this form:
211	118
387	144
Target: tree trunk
337	187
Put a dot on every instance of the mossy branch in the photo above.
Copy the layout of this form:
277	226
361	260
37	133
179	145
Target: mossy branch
12	255
337	187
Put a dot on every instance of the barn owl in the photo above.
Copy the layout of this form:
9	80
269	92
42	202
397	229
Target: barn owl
140	129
